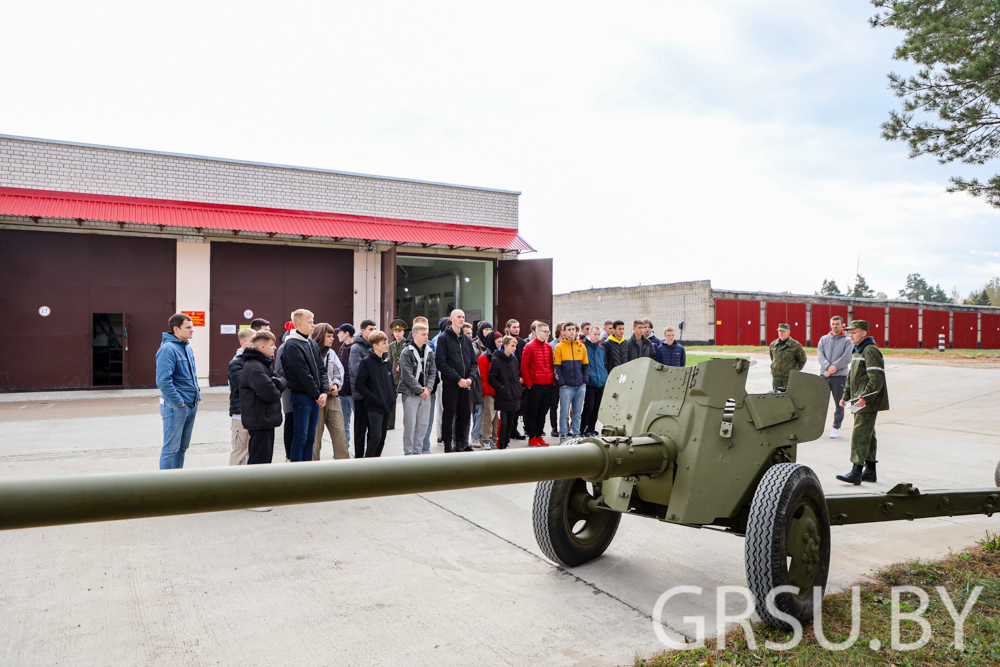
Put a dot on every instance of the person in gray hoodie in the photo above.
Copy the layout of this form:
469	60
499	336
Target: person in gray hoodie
834	352
177	381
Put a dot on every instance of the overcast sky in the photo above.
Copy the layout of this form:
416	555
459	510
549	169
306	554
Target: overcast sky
651	141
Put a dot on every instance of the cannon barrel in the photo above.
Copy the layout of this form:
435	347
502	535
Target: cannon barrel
51	501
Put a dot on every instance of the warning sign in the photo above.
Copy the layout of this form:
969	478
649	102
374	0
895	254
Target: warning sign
197	317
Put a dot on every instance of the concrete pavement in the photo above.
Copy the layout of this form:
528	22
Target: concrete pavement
434	579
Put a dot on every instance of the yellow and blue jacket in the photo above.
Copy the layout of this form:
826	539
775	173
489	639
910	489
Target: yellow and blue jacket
570	364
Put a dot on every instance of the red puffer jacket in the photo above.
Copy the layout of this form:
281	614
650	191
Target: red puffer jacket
484	372
536	363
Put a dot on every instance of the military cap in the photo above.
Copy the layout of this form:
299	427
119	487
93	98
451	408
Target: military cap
398	324
784	327
857	324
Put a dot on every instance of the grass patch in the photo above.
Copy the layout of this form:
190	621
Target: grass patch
886	351
694	359
958	574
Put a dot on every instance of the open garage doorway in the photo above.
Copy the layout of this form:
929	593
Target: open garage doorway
433	287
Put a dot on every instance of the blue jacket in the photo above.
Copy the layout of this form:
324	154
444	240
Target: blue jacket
176	376
597	374
671	355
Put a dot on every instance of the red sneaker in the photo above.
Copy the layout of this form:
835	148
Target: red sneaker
533	442
541	442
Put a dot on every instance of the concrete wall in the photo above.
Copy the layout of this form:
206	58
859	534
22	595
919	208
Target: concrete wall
664	304
49	165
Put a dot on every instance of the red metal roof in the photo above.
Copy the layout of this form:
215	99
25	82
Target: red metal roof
72	205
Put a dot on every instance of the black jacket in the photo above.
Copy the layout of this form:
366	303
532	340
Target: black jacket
505	373
374	383
615	354
303	367
235	368
455	357
260	392
345	359
639	348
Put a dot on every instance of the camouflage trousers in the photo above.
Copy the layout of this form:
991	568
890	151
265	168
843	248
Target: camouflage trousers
863	442
776	383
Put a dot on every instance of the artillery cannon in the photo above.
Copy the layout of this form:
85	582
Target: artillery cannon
681	445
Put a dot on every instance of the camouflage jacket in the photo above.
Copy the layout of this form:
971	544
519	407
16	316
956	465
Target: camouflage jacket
786	356
396	349
867	375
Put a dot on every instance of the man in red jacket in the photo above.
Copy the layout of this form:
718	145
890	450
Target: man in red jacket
539	378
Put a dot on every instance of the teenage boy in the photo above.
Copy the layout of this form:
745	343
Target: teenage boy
240	436
834	352
638	344
513	328
571	367
345	334
616	347
669	352
417	382
456	360
177	380
597	376
374	384
585	331
260	397
649	332
360	350
609	328
539	378
305	372
260	324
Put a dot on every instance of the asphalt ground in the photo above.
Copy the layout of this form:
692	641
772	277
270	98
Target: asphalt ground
433	579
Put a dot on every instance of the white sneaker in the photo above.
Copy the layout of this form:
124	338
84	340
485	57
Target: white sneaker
258	509
834	433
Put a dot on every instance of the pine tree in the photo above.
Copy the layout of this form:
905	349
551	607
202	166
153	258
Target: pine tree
861	290
829	288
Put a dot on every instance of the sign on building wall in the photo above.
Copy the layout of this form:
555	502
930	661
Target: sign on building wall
197	317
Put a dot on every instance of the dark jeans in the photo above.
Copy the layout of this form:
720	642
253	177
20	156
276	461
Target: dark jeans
837	383
261	446
553	413
591	404
306	412
456	414
378	425
539	399
360	427
289	433
508	421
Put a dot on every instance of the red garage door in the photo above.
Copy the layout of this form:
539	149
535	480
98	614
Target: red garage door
750	323
271	281
966	326
935	323
737	322
904	327
821	314
991	331
875	316
792	314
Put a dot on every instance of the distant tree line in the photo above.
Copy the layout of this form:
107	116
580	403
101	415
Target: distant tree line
917	289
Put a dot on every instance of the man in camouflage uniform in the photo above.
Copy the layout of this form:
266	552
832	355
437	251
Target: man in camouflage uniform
787	355
398	328
867	376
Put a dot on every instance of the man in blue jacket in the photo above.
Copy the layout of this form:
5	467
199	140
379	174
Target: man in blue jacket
669	352
177	381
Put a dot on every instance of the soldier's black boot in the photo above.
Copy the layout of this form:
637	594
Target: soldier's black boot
869	473
853	477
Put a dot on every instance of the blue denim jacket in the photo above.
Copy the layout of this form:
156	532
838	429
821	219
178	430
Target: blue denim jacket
176	376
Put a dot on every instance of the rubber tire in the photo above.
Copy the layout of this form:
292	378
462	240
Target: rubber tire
555	538
776	497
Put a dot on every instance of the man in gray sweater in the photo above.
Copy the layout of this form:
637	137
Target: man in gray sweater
834	352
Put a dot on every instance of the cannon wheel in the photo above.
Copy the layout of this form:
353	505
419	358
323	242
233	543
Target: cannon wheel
566	532
788	541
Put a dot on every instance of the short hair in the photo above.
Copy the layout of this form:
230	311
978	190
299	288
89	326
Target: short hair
617	323
507	340
585	324
669	328
457	310
467	325
300	314
376	337
607	322
367	323
836	317
258	323
637	323
540	324
647	321
177	320
420	319
535	324
419	326
243	334
262	335
567	325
